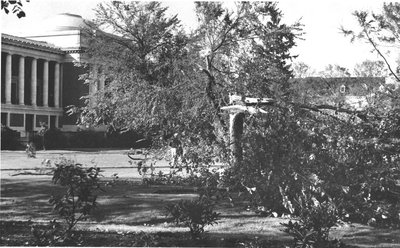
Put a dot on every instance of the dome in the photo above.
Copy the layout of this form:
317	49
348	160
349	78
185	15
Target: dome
64	21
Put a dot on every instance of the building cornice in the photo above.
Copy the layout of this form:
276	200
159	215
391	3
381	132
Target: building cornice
15	108
74	49
31	44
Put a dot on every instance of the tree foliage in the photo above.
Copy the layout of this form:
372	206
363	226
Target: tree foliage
381	31
302	70
15	6
335	71
81	186
139	57
160	78
370	68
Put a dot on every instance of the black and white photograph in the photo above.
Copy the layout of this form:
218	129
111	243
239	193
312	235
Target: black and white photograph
200	124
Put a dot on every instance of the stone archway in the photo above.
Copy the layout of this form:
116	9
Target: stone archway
237	109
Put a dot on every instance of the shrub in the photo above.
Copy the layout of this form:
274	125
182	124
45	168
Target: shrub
54	234
195	214
314	222
126	139
54	139
75	205
46	236
93	139
9	139
79	199
87	139
143	239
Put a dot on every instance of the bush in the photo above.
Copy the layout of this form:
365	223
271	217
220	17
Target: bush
47	236
194	214
93	139
79	199
86	139
53	234
314	222
54	139
143	239
126	139
9	139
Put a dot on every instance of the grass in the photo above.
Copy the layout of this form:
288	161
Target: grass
128	208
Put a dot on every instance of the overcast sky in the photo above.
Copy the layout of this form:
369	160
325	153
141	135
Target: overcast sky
323	43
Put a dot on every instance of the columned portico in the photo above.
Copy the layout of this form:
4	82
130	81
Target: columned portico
30	70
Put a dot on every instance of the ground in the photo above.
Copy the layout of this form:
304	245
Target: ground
127	208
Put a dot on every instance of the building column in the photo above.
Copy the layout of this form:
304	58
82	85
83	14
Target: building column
21	81
56	123
8	119
34	82
34	122
57	85
46	83
61	84
8	78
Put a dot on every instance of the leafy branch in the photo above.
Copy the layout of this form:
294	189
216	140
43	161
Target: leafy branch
15	6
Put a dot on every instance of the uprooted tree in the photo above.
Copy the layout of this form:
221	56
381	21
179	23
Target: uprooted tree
161	80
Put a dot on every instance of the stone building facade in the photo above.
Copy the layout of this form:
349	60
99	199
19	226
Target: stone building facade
31	84
40	76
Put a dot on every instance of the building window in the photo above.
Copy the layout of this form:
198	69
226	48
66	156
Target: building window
60	119
42	118
16	120
342	89
4	118
14	90
53	121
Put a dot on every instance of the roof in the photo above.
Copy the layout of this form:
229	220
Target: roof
372	81
31	44
63	22
358	86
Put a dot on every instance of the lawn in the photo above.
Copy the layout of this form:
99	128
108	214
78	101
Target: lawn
130	213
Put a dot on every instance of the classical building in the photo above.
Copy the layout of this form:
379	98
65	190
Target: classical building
39	76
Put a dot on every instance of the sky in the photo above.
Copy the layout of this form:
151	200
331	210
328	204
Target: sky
322	43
